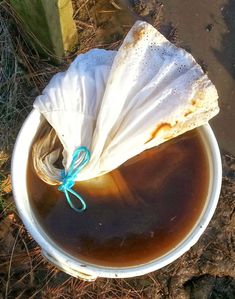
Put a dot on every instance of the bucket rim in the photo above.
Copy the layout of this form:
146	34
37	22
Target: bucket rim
74	266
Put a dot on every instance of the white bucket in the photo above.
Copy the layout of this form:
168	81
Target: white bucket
79	268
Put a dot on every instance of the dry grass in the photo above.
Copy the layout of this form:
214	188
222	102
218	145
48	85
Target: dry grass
22	77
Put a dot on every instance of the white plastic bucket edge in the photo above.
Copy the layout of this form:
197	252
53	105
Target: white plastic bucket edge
79	268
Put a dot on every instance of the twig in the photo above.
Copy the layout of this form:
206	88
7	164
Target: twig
114	4
84	24
106	11
51	274
10	263
81	6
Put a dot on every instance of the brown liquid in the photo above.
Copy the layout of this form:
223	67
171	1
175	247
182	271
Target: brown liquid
135	213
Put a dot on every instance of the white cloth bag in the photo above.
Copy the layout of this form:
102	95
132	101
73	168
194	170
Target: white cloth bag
118	104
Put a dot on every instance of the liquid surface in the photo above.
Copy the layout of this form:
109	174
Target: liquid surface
135	213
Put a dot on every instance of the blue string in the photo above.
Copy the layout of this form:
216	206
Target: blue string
68	179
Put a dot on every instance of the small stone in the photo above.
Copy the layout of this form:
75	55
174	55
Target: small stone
209	27
232	166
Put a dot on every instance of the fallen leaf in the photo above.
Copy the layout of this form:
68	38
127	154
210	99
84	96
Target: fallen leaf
6	185
3	157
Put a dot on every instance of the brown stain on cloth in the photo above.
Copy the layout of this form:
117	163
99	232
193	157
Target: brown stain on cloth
159	129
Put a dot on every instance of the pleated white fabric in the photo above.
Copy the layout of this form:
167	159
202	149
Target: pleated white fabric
119	104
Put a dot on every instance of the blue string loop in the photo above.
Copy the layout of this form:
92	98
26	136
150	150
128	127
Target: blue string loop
68	179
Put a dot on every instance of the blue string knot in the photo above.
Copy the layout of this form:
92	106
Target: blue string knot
81	157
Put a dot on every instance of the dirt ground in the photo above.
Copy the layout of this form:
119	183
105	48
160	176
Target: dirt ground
204	28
